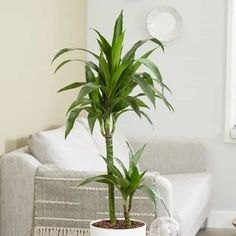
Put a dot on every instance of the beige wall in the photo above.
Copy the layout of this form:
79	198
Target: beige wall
31	33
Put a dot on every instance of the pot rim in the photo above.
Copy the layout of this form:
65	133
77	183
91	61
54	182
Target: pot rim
94	221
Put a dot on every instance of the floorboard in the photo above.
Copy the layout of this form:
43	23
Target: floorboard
212	232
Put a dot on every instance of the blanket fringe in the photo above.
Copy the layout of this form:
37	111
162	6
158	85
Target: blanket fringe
54	231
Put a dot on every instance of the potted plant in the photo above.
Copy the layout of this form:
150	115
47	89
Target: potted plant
109	92
127	182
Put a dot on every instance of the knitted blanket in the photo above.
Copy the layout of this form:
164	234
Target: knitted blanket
61	208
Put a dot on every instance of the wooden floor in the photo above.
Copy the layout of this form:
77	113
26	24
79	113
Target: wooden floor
217	233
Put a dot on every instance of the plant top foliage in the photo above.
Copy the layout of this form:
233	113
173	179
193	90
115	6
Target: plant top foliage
108	91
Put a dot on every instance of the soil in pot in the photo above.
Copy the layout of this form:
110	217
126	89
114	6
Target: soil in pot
120	224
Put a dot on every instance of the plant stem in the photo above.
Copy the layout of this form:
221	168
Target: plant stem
111	190
130	202
126	216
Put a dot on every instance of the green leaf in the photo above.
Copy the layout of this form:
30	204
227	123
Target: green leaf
89	63
138	64
135	177
115	171
164	204
118	28
71	120
102	38
131	53
148	78
89	109
100	179
104	69
141	103
142	175
94	96
151	193
86	89
165	87
149	64
147	117
90	77
134	180
140	95
81	102
131	154
146	89
118	73
65	50
134	104
91	121
120	106
124	87
122	166
118	114
64	63
92	65
155	40
138	155
72	106
116	51
71	86
104	45
124	183
163	98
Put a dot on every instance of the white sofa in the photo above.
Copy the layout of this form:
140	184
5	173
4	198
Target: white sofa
185	185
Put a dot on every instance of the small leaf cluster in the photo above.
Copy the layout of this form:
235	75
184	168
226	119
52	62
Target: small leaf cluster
127	181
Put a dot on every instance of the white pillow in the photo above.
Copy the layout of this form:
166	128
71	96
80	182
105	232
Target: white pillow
77	152
120	148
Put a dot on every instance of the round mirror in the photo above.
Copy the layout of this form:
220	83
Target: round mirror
164	23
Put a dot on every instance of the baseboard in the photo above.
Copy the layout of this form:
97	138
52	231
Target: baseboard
221	219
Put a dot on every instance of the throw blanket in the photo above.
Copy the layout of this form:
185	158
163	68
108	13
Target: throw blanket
61	208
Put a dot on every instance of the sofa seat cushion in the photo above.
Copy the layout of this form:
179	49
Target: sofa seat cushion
77	152
191	195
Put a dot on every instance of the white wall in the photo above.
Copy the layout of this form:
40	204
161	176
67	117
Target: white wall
31	33
194	67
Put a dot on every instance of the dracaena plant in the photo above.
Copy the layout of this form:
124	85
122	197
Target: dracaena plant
128	182
109	90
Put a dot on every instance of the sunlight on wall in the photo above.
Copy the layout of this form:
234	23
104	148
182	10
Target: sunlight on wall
31	33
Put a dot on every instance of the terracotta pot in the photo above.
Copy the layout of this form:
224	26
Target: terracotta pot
95	231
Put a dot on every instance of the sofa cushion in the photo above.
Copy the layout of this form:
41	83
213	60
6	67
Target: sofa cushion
119	142
191	195
77	152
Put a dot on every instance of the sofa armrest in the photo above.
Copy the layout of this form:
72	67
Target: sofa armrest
173	157
17	171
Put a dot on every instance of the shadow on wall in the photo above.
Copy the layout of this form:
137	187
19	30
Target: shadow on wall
13	144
